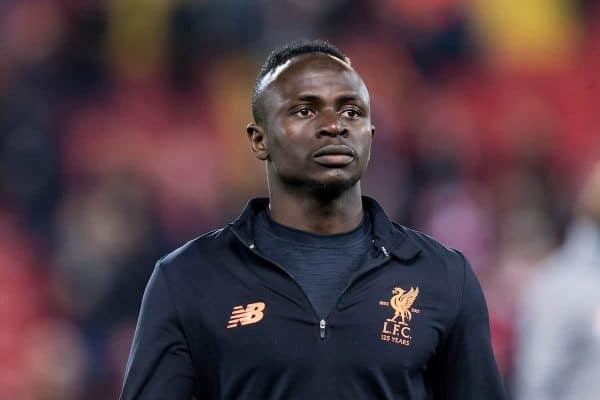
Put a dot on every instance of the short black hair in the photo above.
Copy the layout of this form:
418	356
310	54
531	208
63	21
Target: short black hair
287	51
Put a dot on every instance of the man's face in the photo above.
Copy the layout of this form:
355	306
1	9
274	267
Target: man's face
317	124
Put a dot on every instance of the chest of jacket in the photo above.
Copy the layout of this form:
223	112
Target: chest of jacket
244	316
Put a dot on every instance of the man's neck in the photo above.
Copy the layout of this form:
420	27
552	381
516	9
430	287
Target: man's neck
308	212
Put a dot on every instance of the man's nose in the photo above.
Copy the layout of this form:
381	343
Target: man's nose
331	125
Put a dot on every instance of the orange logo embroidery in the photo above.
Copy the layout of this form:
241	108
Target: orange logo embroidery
396	329
252	314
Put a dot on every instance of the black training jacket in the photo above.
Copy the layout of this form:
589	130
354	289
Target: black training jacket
220	321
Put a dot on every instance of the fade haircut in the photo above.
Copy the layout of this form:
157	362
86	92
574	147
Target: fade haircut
284	53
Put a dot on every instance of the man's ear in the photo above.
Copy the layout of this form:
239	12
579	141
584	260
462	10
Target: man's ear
258	141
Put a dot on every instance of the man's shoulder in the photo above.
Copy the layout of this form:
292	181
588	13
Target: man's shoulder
429	246
196	251
443	268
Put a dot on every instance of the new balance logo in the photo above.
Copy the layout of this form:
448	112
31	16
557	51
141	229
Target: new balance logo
245	316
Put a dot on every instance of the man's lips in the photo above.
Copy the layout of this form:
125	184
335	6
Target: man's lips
334	155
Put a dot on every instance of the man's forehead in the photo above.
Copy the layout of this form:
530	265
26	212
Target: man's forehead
303	63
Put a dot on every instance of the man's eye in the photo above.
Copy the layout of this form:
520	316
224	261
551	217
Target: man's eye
304	112
351	113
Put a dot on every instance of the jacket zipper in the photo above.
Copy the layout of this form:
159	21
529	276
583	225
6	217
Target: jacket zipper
252	247
322	322
376	264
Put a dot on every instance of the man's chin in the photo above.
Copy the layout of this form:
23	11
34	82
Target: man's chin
324	186
331	188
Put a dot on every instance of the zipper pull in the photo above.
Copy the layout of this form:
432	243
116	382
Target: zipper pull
385	252
322	326
380	247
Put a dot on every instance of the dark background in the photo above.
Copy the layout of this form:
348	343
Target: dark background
122	135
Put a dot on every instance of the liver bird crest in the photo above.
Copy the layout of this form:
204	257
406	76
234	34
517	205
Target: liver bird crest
401	302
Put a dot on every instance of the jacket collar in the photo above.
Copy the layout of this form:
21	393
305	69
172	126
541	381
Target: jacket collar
387	235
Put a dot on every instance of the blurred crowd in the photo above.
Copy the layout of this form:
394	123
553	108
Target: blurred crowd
122	135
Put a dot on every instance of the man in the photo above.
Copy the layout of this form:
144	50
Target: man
313	292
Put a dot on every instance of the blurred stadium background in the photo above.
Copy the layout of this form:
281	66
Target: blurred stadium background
122	136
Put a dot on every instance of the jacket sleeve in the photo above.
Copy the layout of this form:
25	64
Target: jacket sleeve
465	367
159	365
